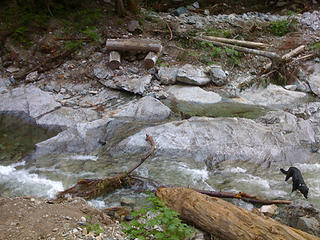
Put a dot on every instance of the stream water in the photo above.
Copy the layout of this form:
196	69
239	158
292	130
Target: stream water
48	175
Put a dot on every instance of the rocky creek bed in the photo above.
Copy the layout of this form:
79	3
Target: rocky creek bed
89	121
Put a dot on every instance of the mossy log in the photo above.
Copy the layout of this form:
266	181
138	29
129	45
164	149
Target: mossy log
225	220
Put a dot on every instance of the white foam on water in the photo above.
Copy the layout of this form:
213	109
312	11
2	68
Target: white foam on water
258	181
196	174
99	204
308	167
82	157
21	182
235	170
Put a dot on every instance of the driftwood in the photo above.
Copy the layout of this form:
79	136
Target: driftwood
225	220
114	60
150	60
144	45
273	56
92	188
243	196
237	42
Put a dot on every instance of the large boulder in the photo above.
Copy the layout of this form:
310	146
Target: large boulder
217	139
4	83
194	101
67	117
82	138
193	75
167	75
314	78
193	94
273	96
134	84
146	109
28	100
302	215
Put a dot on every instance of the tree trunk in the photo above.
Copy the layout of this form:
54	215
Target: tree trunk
225	220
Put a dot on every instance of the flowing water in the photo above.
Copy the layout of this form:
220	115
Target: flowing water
48	175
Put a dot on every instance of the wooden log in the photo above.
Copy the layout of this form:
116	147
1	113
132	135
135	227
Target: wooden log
225	220
236	42
145	45
150	60
114	60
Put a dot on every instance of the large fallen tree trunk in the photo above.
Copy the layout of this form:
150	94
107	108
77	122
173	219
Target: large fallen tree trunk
225	220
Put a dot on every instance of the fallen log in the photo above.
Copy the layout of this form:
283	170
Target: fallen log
237	42
92	188
144	45
225	220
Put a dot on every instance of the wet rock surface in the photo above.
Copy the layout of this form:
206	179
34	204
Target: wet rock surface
146	109
214	140
192	75
85	100
301	215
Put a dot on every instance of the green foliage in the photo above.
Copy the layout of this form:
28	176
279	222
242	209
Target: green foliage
195	54
282	27
94	228
210	31
185	40
165	225
209	53
233	56
70	45
20	34
91	33
315	48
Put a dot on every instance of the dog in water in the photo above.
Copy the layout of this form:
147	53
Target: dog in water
297	180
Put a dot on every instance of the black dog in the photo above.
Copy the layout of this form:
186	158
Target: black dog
297	180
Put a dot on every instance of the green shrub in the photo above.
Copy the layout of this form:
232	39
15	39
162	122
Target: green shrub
163	225
94	228
282	27
70	45
315	48
233	56
218	32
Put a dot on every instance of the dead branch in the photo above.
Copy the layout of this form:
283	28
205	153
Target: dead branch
86	39
171	36
305	57
243	196
293	53
150	139
92	188
236	42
